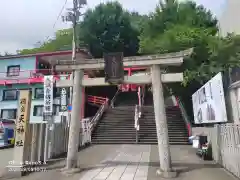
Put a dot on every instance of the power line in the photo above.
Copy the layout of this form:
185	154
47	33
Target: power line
59	15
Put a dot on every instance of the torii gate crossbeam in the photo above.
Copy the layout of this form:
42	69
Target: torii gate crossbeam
156	78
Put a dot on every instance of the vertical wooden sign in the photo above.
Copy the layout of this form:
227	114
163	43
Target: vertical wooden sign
114	71
22	126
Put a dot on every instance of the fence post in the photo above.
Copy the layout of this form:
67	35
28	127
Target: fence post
46	144
218	143
40	142
34	144
51	142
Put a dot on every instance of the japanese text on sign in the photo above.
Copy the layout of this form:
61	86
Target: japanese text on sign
48	94
20	126
114	71
63	99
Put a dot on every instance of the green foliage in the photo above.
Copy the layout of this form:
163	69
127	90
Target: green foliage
138	21
108	28
176	26
62	39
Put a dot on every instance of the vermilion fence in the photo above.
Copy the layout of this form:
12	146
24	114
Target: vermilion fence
97	100
185	116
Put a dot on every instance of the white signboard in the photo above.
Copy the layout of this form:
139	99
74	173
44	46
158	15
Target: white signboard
48	94
63	99
209	102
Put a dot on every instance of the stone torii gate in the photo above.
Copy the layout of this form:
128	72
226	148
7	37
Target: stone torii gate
155	62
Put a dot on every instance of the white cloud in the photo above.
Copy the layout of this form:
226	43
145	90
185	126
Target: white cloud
24	22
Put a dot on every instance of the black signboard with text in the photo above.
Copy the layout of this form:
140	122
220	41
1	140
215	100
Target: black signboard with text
114	70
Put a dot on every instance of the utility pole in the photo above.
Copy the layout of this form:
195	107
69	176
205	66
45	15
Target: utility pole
75	92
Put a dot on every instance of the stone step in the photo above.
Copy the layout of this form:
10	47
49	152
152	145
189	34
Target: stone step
120	125
133	141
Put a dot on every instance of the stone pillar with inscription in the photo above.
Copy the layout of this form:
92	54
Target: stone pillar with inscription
22	137
161	125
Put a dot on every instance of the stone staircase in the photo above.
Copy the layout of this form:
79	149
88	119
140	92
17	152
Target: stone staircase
177	130
117	127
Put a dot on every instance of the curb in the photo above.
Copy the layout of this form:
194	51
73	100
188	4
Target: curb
7	146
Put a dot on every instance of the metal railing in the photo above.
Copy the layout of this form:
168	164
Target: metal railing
225	141
32	76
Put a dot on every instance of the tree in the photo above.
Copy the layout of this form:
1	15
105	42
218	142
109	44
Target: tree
169	13
138	21
175	26
108	28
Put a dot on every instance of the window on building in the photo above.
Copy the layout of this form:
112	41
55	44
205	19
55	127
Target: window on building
9	113
38	110
39	93
10	94
13	70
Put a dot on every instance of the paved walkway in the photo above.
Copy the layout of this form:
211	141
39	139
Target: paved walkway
133	162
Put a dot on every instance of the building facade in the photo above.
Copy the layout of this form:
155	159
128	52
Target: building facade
229	19
27	72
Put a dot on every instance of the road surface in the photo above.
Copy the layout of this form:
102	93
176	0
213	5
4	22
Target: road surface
6	156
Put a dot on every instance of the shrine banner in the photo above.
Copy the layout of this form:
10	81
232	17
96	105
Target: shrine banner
48	95
114	71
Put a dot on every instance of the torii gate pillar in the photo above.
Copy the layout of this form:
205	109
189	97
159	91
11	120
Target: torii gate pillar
75	124
161	125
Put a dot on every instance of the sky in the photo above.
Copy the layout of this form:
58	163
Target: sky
25	22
